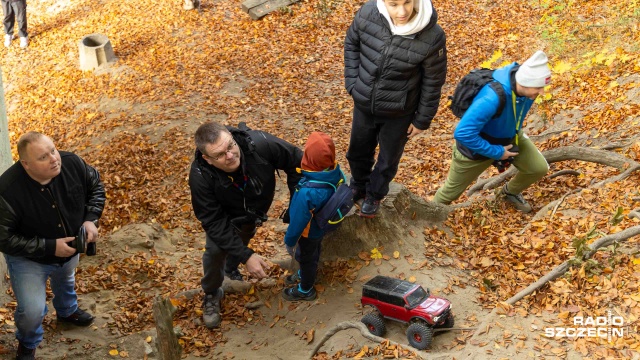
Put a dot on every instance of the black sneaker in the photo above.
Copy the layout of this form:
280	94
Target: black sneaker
296	294
79	318
369	207
357	193
234	275
293	278
24	353
211	309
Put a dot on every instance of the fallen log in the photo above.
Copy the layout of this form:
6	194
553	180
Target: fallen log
257	8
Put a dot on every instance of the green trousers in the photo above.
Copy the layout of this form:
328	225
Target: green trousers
531	165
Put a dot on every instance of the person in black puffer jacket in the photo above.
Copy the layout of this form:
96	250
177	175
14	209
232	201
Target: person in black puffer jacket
395	63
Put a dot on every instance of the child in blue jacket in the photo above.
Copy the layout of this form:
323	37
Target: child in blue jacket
318	165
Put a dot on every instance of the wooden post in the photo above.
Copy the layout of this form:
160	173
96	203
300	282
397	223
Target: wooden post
166	340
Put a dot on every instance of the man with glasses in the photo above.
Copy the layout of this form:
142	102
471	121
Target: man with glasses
232	182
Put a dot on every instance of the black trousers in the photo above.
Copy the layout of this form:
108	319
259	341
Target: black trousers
15	9
367	132
216	261
308	256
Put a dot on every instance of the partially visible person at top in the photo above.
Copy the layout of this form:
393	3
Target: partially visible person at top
395	63
482	138
45	198
15	10
233	182
303	239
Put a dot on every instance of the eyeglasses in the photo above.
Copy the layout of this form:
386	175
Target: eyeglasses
220	155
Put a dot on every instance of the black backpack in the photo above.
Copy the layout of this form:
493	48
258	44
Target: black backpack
330	215
468	88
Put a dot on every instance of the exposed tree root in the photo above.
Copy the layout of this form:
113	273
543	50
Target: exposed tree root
543	211
555	208
349	325
603	157
557	272
544	135
365	333
564	172
615	146
634	214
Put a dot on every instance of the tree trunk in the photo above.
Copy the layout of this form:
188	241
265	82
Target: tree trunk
401	215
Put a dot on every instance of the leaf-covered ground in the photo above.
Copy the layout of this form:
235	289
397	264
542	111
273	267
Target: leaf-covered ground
283	74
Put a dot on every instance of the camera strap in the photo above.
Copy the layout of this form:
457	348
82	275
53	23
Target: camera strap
518	118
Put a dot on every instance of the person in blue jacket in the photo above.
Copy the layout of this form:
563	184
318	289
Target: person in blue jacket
482	137
304	238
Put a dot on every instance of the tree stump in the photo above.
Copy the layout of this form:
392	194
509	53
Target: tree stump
402	215
166	341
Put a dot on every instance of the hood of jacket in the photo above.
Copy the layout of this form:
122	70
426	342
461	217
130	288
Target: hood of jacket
319	152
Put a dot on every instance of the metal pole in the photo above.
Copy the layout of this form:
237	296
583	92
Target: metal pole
5	161
5	148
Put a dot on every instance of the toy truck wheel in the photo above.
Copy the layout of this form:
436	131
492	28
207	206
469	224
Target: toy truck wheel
449	322
374	323
419	336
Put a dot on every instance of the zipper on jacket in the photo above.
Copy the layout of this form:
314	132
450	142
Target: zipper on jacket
375	82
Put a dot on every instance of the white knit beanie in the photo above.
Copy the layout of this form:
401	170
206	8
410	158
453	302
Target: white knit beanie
534	72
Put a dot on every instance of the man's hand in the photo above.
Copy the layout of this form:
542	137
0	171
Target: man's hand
63	249
92	231
256	266
413	131
507	154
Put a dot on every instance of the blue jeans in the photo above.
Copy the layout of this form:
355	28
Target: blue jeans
29	281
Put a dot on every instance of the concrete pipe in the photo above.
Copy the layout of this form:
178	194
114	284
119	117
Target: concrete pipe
95	50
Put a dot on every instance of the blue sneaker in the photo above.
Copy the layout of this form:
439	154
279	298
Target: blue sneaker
295	293
293	278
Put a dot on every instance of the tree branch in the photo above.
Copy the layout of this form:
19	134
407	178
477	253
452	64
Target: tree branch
350	325
562	268
603	157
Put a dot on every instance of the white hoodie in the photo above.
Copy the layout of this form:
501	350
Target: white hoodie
423	10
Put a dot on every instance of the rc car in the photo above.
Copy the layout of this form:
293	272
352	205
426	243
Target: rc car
404	301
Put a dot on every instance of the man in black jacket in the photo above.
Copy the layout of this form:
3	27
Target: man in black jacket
45	198
232	181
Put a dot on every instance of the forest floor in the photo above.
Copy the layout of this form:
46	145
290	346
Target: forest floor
134	121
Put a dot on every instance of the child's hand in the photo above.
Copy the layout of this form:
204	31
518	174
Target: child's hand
291	250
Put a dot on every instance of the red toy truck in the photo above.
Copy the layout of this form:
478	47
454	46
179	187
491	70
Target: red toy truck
403	301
